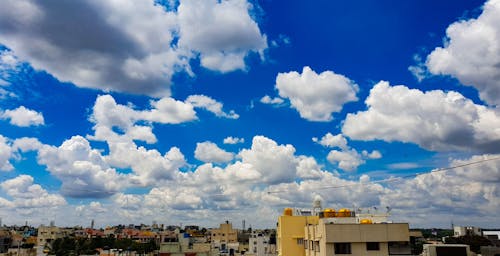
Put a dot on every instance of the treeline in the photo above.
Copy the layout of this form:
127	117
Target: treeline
87	246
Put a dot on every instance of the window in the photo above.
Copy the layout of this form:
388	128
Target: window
306	244
342	248
300	241
373	246
316	246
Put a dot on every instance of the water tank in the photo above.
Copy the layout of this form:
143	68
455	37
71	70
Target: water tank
288	212
344	213
365	221
329	213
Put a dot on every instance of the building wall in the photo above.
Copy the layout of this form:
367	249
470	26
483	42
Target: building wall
469	230
290	232
259	245
49	234
224	234
366	232
321	238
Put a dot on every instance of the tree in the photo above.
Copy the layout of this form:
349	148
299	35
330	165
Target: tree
475	242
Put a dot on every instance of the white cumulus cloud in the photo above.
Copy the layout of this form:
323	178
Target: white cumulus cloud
273	101
435	120
209	104
222	32
27	195
316	96
209	152
472	53
117	50
23	117
276	163
346	158
5	154
233	140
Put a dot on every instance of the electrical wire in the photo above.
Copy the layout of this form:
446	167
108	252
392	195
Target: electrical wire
393	179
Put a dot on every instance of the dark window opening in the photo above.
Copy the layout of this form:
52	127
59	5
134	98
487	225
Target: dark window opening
342	248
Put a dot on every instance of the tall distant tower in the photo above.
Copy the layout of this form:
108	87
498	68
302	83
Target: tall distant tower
92	224
316	205
243	225
52	223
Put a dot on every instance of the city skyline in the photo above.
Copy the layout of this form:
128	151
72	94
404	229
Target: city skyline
196	111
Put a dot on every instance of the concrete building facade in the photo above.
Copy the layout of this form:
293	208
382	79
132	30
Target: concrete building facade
320	232
225	238
260	245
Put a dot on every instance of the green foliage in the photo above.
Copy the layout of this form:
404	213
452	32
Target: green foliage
77	246
438	233
475	242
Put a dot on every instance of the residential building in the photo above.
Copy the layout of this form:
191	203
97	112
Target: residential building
260	244
225	238
47	234
464	231
183	245
290	231
319	232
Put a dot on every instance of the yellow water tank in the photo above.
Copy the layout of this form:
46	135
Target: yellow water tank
288	212
365	221
344	213
329	213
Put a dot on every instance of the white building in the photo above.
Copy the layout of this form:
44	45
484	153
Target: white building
464	231
259	245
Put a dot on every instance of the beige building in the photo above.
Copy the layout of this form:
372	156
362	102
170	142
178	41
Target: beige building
47	234
319	232
225	237
331	238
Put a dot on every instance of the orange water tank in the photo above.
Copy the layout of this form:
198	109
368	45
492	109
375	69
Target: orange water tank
329	213
365	221
288	212
344	213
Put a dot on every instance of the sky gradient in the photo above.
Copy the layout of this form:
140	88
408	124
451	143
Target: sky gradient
198	111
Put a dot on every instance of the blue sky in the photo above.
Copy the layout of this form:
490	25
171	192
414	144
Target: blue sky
192	111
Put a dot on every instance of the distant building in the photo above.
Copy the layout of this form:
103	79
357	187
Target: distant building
260	244
466	231
182	244
446	250
46	235
5	240
225	238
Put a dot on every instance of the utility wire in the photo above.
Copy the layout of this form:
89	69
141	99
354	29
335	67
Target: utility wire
392	179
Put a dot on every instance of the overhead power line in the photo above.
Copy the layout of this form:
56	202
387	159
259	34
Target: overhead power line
392	179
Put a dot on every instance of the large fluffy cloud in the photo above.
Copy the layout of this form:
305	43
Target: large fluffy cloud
222	32
316	96
435	120
275	162
472	53
23	117
135	46
27	195
82	169
108	115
